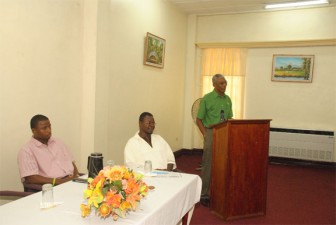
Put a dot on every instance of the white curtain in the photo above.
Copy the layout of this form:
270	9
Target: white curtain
231	62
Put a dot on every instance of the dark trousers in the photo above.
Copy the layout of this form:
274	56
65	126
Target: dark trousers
206	163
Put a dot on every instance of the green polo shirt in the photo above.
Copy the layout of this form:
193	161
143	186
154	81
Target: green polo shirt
211	106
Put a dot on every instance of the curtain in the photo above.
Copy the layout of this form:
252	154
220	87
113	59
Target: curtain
231	62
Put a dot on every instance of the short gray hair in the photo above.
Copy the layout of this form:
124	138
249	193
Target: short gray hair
216	76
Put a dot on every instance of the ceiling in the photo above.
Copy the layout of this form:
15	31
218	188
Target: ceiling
228	6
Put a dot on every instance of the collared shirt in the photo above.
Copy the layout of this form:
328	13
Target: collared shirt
210	108
137	151
53	160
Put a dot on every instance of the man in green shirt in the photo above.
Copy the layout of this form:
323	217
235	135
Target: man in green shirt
214	108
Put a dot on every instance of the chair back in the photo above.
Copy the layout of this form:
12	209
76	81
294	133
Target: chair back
194	109
31	187
15	193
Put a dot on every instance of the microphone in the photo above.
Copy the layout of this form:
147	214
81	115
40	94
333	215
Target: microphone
222	116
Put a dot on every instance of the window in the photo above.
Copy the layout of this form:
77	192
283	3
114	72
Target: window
231	62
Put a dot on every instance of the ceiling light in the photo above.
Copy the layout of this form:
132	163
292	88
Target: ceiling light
296	4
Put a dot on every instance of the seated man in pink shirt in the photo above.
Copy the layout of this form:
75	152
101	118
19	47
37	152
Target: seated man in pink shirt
45	159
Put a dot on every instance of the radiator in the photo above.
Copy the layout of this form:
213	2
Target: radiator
302	144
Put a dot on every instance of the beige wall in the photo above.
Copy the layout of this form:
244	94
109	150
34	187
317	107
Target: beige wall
40	72
125	87
80	62
304	24
292	105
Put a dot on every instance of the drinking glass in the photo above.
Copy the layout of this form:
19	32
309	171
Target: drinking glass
47	196
110	163
148	167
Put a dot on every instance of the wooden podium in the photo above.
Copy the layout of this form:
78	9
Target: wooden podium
239	168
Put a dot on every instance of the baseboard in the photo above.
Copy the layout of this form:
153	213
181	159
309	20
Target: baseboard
300	162
271	159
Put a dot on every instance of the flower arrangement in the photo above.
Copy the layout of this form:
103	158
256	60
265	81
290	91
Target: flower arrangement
114	192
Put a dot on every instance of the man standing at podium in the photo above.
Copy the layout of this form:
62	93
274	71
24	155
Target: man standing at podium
214	108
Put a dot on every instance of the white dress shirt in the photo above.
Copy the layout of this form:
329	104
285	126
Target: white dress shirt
137	151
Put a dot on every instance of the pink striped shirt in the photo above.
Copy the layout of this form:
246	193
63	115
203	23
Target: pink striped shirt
53	160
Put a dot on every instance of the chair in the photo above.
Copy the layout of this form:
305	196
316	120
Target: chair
15	193
9	196
27	187
194	109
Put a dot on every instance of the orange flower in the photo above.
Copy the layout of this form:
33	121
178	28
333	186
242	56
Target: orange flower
127	174
114	192
132	186
114	174
125	205
133	199
113	199
104	210
85	210
99	177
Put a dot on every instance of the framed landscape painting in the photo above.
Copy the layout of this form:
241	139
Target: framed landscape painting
154	51
293	68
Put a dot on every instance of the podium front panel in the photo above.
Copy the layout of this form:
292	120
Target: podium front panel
239	168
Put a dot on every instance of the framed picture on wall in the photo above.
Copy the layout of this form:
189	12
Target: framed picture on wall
293	68
154	50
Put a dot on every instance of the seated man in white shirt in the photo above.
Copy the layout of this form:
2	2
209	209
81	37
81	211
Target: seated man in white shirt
145	145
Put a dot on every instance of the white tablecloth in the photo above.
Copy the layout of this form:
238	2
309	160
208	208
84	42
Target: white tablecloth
171	199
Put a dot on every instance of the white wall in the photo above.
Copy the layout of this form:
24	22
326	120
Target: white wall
293	105
42	57
300	24
80	62
126	87
40	72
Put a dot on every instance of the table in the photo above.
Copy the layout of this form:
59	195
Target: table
171	199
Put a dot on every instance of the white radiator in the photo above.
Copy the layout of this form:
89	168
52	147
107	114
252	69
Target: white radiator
302	144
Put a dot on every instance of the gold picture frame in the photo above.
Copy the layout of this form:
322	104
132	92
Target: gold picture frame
293	68
154	53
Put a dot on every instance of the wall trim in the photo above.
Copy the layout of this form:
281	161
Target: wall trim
269	44
302	131
271	159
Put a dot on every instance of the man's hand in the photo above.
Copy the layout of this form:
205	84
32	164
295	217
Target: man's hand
75	173
37	179
200	125
64	179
